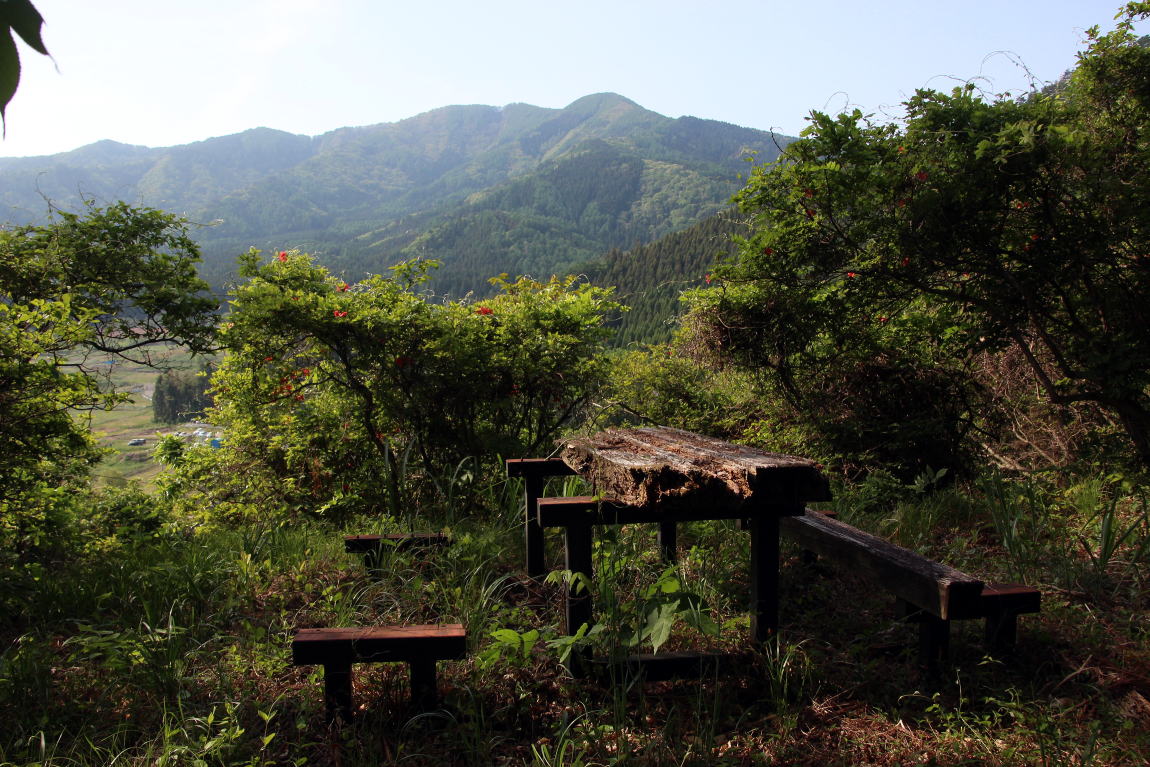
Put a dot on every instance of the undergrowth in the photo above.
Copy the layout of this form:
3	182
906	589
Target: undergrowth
172	647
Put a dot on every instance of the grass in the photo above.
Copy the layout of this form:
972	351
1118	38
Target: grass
174	650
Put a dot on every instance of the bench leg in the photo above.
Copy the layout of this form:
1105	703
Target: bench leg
933	641
669	541
424	688
337	691
1001	631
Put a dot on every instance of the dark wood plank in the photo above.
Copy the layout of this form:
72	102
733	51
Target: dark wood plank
1010	597
559	512
943	591
378	644
537	467
666	469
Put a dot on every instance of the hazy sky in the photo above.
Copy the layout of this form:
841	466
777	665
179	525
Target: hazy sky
164	72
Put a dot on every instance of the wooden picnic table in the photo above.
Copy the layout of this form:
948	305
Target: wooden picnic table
664	476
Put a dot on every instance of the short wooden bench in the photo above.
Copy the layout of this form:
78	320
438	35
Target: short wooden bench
928	592
336	649
372	546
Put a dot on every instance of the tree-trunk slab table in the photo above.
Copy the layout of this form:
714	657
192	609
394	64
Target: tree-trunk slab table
664	476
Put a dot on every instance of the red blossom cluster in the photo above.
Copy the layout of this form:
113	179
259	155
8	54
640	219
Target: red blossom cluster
484	310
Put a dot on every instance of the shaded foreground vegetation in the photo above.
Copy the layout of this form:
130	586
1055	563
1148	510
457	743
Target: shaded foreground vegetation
172	647
980	399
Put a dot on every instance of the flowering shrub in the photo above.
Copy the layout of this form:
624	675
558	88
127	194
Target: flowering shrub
341	398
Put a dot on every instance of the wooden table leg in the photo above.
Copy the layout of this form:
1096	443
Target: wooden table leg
764	577
578	548
532	532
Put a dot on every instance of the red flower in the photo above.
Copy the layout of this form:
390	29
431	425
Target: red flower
339	313
808	192
708	279
305	371
810	213
343	288
768	251
484	310
883	319
402	362
282	256
852	275
922	175
269	359
905	261
902	203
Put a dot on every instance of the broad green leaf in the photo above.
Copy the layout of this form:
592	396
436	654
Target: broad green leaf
23	17
9	70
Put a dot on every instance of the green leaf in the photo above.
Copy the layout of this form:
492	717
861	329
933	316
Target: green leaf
9	70
23	17
660	621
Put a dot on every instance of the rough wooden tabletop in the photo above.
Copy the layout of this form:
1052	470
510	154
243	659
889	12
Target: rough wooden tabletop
661	467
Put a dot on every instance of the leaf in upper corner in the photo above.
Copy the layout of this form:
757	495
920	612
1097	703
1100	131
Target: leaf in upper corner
23	17
9	69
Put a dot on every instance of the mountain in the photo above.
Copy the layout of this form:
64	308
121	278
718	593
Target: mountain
485	190
651	278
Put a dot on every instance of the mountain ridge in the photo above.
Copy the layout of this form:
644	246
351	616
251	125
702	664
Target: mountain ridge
483	189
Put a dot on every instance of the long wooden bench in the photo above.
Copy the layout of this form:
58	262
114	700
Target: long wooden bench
931	593
336	649
371	547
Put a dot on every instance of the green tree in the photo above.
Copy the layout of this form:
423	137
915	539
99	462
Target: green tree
74	294
181	395
340	397
887	256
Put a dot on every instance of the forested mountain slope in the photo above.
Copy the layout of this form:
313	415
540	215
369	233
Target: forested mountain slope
519	188
651	278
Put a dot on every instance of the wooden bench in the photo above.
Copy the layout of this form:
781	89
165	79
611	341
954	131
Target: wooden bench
928	592
336	649
373	546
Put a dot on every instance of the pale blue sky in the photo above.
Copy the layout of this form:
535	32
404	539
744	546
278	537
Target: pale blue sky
164	72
